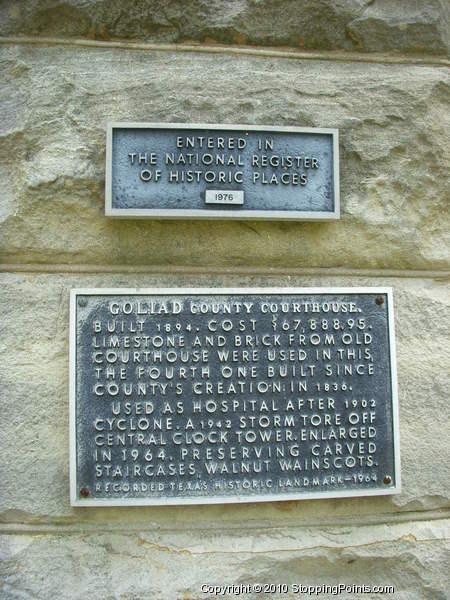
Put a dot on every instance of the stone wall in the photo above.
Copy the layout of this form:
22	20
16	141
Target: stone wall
375	69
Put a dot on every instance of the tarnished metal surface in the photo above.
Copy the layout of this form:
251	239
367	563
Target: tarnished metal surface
209	171
232	395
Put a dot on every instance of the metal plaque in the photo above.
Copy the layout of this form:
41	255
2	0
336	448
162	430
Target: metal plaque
185	396
172	170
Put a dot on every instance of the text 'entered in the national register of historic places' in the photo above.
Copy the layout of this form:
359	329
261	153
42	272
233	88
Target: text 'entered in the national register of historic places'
173	170
183	396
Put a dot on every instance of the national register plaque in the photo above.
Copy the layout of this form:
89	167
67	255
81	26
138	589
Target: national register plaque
184	396
194	171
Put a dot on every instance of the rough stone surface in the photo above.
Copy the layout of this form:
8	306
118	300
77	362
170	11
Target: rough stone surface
412	26
408	26
151	565
34	465
56	101
393	119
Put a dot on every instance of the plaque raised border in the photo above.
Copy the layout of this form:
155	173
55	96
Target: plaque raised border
217	499
175	213
76	500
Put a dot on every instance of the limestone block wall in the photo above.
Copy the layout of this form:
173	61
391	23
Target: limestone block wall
375	69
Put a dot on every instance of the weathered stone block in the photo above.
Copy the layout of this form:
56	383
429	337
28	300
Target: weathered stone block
409	26
144	563
394	156
34	465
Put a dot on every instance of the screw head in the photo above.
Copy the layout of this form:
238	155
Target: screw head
379	300
387	479
82	301
84	492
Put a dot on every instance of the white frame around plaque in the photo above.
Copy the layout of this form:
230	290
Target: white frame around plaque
75	500
274	215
